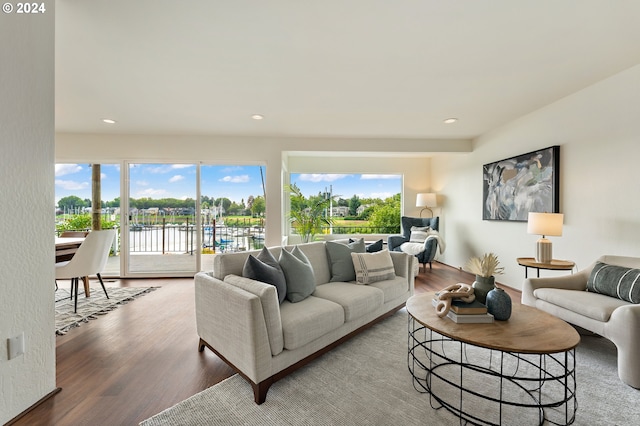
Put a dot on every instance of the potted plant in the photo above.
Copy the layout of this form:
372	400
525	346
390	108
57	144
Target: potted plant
308	218
485	268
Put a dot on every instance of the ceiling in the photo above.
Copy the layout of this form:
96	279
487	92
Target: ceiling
330	68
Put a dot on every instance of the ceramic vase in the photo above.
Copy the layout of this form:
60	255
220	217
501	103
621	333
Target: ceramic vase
482	286
499	304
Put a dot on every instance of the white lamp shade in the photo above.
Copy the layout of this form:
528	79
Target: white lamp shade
549	224
426	200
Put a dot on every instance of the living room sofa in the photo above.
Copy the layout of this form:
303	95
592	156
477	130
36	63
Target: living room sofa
594	299
243	321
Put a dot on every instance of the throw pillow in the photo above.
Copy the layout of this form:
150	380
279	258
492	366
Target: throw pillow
615	281
298	272
264	267
373	267
372	247
340	259
419	234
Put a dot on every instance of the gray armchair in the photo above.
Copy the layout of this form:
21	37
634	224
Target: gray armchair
431	246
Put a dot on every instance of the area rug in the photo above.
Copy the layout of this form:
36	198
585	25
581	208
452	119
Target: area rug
365	381
90	308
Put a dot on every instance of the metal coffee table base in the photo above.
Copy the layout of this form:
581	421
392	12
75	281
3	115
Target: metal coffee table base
490	387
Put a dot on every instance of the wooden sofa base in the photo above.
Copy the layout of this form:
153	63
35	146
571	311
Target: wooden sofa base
260	389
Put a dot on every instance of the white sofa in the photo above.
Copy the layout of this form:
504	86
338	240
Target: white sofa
617	320
241	320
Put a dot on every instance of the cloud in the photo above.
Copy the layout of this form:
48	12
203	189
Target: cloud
142	183
71	185
150	192
168	168
235	179
368	177
67	169
176	178
103	175
321	177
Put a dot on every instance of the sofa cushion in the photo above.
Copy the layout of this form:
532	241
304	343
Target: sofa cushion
418	234
392	289
270	307
264	267
308	320
615	281
339	255
356	300
592	305
298	273
371	247
373	267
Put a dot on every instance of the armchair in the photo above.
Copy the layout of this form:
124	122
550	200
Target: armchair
394	242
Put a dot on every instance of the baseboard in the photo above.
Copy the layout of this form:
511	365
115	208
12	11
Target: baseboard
40	401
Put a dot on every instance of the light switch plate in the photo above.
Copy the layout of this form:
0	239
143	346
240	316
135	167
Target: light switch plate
16	345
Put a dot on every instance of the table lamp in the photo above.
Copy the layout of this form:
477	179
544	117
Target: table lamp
544	224
426	200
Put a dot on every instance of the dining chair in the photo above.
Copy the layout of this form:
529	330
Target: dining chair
90	259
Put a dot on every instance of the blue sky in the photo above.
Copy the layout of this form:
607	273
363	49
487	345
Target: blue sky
233	182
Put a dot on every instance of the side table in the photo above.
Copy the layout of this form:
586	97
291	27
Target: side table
555	265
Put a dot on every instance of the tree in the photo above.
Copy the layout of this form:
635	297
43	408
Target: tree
386	216
71	202
308	221
354	203
258	207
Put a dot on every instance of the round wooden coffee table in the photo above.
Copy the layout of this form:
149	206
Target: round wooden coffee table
492	373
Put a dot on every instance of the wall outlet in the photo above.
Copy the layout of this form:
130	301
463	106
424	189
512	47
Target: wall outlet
16	345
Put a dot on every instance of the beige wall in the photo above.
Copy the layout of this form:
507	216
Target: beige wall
598	132
26	173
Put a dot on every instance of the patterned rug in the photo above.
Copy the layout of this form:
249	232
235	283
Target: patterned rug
90	308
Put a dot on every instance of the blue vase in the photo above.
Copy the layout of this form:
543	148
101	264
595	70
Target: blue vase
499	304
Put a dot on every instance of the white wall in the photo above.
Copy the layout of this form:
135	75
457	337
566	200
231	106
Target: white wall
599	136
26	173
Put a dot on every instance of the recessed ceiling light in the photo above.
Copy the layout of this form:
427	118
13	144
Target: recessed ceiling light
450	120
257	116
108	121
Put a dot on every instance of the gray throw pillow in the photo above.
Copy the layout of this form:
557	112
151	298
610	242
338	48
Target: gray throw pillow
371	248
301	282
615	281
264	267
340	259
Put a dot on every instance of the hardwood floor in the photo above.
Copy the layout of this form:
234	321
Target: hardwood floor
142	357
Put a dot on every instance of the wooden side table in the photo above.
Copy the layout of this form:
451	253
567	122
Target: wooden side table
555	265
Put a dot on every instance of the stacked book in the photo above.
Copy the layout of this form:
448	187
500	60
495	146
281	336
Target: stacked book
467	312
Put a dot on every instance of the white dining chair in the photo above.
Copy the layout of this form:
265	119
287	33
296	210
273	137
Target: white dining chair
90	259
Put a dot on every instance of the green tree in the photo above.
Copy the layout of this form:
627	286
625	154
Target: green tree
258	207
386	216
71	202
354	203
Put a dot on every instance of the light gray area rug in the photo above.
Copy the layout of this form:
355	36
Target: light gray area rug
90	308
366	381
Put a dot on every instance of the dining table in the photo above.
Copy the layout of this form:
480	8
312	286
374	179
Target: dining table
66	247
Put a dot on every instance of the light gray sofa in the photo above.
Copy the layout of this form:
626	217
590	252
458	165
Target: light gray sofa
611	317
241	320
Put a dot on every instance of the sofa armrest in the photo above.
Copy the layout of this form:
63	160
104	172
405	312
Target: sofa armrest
231	321
403	265
395	241
623	329
577	281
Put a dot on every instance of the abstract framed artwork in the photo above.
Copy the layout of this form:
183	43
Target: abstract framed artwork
515	186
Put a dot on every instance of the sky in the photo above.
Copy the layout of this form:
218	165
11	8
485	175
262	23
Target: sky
230	181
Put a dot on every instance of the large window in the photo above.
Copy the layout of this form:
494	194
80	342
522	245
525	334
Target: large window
355	203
